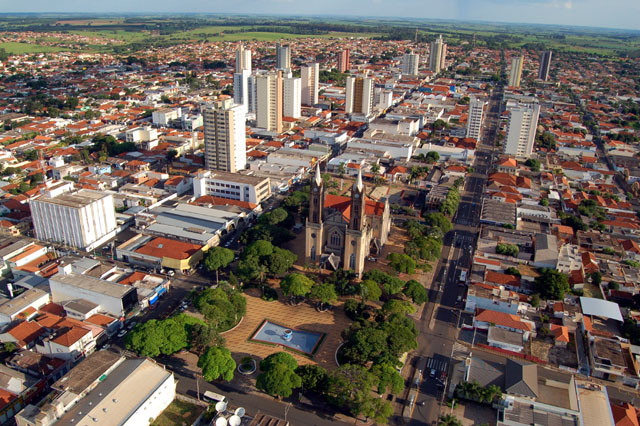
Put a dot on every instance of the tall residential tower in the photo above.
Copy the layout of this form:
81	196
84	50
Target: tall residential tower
310	75
521	130
474	122
545	65
269	101
410	62
359	95
438	55
283	57
516	71
225	143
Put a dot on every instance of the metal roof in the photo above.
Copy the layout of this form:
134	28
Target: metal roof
601	308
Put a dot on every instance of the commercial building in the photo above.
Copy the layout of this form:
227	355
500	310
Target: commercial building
438	55
225	136
164	116
343	61
283	57
516	71
84	219
160	252
235	186
545	65
243	59
410	62
359	95
521	130
269	101
474	121
310	75
115	299
291	96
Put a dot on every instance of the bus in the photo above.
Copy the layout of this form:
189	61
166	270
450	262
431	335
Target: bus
212	396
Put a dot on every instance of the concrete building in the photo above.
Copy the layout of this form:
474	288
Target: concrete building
516	71
291	96
359	95
164	116
410	62
545	65
343	61
84	219
235	186
241	90
269	101
521	130
474	121
141	134
243	59
225	136
283	57
310	74
438	55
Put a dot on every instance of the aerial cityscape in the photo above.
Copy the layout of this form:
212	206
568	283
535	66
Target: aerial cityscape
289	214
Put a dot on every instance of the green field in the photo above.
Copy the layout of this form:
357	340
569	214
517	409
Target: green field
16	48
178	413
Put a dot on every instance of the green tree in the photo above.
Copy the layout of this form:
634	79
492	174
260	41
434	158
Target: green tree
535	300
438	220
222	307
203	336
217	362
296	284
596	278
552	284
314	378
350	386
395	306
370	290
432	157
388	379
533	163
416	291
279	376
402	263
274	217
324	293
218	258
507	249
280	261
449	420
512	270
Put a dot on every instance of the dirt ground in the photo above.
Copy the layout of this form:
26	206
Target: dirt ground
472	414
545	349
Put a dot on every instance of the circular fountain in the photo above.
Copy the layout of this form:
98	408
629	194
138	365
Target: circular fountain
287	335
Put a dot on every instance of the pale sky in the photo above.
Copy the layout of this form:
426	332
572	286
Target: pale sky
596	13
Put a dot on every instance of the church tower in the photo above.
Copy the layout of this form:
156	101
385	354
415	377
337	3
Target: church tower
314	227
355	242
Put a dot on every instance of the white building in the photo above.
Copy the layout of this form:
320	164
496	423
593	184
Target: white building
241	88
410	62
291	97
569	259
521	130
359	95
516	71
69	344
141	134
85	219
474	122
243	59
235	186
163	116
310	75
269	101
225	135
437	55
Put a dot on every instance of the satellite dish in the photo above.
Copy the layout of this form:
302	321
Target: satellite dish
221	421
221	406
239	411
235	420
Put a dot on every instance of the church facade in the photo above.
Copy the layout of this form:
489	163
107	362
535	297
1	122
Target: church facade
343	231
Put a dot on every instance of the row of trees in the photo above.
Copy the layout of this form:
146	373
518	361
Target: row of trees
222	307
450	204
262	259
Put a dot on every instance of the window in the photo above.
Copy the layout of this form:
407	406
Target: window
335	239
352	261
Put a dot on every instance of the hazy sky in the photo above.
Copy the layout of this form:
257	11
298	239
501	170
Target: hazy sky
598	13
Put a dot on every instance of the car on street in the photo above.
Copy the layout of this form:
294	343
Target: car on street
121	333
432	373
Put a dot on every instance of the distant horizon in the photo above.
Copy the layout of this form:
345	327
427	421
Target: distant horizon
612	15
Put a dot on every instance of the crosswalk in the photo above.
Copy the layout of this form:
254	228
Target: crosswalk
436	364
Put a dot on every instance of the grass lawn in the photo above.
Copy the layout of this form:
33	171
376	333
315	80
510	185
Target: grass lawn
177	414
15	48
591	290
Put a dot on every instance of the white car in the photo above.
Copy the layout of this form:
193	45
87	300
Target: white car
122	333
171	272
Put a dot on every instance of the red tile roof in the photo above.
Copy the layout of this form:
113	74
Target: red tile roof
501	279
502	319
165	247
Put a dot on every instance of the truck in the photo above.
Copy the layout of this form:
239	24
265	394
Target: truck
214	397
463	277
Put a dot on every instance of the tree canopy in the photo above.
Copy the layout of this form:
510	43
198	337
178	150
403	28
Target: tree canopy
165	337
217	362
222	307
279	377
218	258
552	284
416	291
401	263
296	284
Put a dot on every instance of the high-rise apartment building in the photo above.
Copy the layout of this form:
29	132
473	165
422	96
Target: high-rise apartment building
291	96
516	71
243	59
474	122
85	219
521	130
545	65
269	101
437	55
241	88
359	95
410	62
310	75
343	61
283	57
225	144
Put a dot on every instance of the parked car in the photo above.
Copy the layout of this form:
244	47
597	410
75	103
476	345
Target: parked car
432	373
171	272
121	333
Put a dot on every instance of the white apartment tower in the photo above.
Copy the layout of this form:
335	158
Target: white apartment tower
269	101
516	71
241	89
85	219
474	122
359	95
410	62
310	82
225	135
521	130
283	57
437	55
243	59
291	96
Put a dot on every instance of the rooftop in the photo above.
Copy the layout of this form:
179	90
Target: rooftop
92	284
76	200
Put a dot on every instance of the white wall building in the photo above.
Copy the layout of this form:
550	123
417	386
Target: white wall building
516	71
235	186
521	130
476	113
359	95
141	134
437	55
241	88
84	219
309	77
269	101
410	62
163	116
225	136
283	57
243	59
291	97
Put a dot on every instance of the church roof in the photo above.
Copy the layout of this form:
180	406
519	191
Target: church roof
343	204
